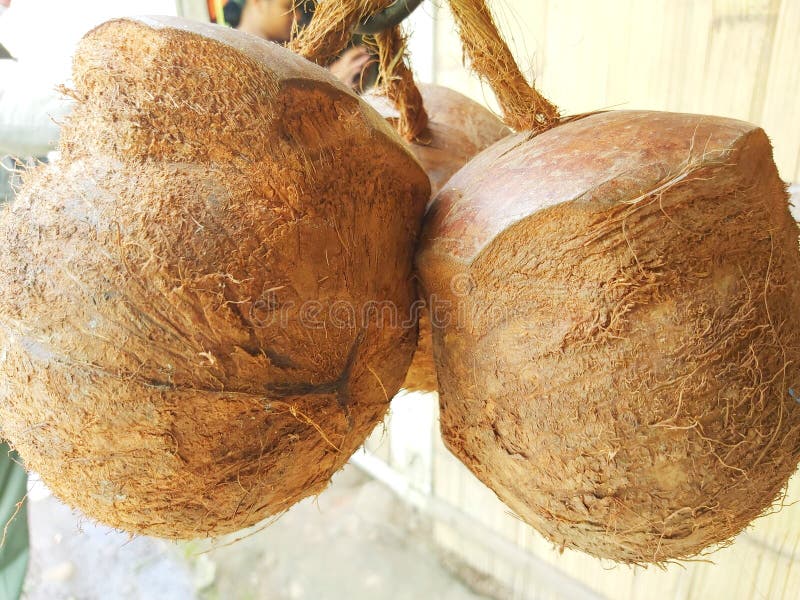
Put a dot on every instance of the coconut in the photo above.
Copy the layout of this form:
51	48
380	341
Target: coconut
458	129
176	358
616	330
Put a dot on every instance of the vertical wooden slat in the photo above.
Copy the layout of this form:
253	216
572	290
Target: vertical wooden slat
781	112
737	58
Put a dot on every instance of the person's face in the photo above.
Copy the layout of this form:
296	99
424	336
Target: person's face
276	18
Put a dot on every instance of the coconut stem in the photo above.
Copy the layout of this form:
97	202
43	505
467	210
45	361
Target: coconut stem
524	108
332	27
331	30
398	82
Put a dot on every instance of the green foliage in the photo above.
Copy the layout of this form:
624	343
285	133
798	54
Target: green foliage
14	522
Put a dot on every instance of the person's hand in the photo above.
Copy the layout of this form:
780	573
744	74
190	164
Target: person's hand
348	67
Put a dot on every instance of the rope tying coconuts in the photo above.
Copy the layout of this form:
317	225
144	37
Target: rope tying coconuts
331	30
399	86
524	108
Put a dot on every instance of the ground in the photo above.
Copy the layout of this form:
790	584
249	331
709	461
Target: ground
354	541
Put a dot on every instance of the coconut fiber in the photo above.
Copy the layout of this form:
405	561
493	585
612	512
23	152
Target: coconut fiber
186	340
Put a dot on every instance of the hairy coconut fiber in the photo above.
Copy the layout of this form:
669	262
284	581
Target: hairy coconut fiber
398	85
176	358
616	329
458	129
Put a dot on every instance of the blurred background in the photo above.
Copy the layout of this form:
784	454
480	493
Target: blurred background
406	519
733	58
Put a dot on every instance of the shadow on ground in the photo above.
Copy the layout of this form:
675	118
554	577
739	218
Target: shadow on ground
355	541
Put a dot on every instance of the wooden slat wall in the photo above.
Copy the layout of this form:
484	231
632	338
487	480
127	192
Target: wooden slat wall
781	110
737	58
734	58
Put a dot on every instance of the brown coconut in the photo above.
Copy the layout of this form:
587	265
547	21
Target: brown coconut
616	329
458	129
174	357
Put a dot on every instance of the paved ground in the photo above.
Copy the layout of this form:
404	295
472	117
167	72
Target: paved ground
356	541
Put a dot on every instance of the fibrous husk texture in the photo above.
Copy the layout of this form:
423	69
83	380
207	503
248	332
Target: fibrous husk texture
185	344
524	108
397	81
331	29
458	129
617	335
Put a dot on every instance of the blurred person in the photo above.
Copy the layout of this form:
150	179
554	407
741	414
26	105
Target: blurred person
274	20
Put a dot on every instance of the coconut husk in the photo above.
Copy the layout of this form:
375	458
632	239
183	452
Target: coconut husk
176	357
617	334
457	129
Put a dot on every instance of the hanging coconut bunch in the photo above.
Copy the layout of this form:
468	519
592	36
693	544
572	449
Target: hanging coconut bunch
617	336
172	361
